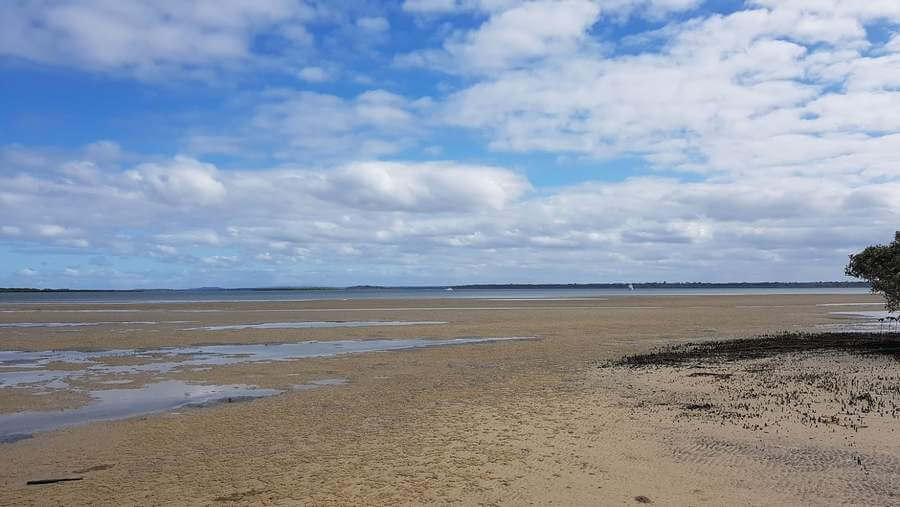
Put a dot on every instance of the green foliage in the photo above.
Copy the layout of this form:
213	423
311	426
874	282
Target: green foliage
880	266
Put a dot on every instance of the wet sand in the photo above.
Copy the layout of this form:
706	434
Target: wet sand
497	423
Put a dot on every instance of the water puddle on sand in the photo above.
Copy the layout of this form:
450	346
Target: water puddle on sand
319	324
547	299
850	304
29	369
19	369
112	404
319	383
82	324
864	321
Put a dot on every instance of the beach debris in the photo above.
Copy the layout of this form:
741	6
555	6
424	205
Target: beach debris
52	481
642	499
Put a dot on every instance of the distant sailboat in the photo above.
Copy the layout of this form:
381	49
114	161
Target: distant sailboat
449	288
630	287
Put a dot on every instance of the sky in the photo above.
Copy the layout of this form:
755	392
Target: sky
162	143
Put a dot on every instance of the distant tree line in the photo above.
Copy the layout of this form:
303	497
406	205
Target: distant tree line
669	285
32	289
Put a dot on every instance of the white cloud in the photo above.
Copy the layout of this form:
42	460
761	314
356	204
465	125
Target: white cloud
183	181
893	45
409	221
445	6
81	170
220	260
51	230
430	5
144	36
783	112
422	187
532	30
651	8
203	144
189	237
514	37
16	155
782	89
864	11
374	24
103	151
313	74
373	123
167	249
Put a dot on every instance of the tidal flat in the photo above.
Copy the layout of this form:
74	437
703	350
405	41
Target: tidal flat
510	422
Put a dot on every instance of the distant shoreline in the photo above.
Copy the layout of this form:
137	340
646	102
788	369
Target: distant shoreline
617	285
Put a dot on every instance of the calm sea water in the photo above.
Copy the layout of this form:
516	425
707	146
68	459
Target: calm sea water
189	296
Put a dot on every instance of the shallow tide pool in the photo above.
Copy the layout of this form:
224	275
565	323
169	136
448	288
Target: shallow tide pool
111	404
319	324
29	369
21	369
864	321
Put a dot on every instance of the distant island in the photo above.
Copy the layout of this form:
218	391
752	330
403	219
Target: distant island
488	286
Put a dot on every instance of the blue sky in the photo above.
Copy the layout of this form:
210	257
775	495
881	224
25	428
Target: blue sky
290	142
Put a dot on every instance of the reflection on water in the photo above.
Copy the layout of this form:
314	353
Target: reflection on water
863	314
29	369
113	404
864	321
320	383
851	304
319	324
33	370
77	324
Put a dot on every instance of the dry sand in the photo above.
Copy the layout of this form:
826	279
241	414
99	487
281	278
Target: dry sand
513	423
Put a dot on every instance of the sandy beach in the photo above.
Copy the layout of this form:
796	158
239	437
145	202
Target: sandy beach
548	420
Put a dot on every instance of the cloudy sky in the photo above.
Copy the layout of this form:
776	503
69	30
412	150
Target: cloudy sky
162	143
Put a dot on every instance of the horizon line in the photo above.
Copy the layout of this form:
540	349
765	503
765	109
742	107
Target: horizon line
474	286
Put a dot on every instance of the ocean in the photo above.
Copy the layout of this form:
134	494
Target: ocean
237	295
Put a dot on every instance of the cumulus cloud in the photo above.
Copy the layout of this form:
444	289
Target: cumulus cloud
373	123
143	36
445	6
50	230
374	24
779	114
411	220
531	30
423	187
183	181
313	74
195	237
652	8
513	37
785	88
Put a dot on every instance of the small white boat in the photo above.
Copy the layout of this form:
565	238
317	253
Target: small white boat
630	287
449	288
